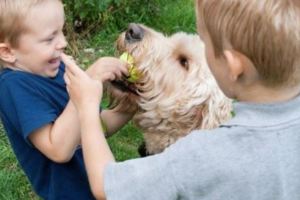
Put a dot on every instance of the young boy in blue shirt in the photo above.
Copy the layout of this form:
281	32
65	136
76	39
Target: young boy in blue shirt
253	50
40	121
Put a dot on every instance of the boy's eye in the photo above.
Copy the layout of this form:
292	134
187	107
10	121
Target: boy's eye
49	39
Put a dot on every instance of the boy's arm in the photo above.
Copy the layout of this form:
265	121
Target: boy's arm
86	95
107	69
58	140
114	120
96	151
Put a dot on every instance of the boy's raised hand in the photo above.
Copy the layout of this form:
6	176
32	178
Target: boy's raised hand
108	69
83	90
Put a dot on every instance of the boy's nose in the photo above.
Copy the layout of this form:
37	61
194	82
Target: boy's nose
62	43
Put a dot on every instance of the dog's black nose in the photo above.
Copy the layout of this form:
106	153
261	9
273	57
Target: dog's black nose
134	33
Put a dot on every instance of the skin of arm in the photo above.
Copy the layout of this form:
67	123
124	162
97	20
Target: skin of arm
96	151
86	95
59	140
114	120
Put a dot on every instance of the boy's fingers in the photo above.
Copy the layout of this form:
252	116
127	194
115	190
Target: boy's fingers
124	66
67	80
108	77
71	64
68	73
125	71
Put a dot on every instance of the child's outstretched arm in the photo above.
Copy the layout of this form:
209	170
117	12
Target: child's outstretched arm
114	120
86	94
108	69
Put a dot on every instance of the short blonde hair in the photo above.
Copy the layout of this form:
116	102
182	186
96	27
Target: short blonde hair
267	32
12	15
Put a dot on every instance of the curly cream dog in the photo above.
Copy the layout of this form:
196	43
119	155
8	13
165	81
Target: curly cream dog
176	92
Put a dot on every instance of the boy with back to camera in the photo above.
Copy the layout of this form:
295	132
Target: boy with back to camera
253	50
40	122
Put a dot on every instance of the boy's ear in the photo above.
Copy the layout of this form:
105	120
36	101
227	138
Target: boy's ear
235	64
6	53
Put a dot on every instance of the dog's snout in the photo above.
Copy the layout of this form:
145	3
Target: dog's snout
134	33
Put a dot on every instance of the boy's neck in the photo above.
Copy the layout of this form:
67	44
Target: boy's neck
14	68
260	94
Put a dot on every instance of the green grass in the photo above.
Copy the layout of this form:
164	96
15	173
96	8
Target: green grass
172	16
13	182
124	144
175	16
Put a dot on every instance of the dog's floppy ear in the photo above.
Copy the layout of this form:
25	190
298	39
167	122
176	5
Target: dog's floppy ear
197	118
214	112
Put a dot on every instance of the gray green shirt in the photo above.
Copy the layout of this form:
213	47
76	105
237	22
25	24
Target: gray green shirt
254	156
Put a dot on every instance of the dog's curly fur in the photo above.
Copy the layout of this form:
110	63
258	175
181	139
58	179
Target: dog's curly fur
177	92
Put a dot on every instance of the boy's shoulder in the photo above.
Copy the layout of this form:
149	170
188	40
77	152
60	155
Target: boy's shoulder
10	74
7	74
250	121
13	79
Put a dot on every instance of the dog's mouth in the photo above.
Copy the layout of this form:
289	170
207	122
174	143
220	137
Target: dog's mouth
125	86
128	83
134	34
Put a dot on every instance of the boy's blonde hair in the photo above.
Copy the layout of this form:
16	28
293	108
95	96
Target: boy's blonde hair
12	15
266	31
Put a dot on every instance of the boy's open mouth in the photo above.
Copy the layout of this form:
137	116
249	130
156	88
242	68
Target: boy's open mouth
54	60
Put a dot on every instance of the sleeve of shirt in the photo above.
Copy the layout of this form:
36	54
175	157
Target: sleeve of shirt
32	110
147	178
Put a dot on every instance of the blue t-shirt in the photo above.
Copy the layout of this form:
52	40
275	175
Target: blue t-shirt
29	102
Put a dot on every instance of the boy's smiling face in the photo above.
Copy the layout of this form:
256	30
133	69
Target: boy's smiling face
41	45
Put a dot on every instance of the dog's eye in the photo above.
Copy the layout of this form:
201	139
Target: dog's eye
184	62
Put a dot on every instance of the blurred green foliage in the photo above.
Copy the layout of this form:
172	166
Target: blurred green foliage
90	15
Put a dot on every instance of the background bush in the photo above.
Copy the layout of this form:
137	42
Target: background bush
92	27
89	15
91	18
84	30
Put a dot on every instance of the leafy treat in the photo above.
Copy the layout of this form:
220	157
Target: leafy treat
134	73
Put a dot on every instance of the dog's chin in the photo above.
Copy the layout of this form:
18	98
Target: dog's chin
125	86
123	96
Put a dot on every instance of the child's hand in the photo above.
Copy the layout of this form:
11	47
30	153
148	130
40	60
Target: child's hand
83	90
108	69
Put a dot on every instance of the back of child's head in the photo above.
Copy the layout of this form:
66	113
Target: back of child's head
266	31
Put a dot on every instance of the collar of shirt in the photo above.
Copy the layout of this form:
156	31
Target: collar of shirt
259	115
